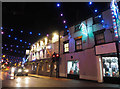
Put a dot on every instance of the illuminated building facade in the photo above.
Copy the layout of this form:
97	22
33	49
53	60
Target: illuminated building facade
90	50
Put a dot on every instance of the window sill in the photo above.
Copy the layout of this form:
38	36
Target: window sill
79	50
65	52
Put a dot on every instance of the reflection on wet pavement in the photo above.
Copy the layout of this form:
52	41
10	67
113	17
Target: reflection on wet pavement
6	76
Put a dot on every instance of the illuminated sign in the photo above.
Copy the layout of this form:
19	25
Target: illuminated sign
81	27
115	17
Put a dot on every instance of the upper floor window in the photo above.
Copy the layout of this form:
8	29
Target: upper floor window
99	38
77	27
78	44
66	46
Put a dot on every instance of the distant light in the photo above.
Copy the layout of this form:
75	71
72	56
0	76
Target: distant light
9	35
99	16
22	46
28	47
39	34
15	38
11	50
67	30
1	28
90	3
6	48
17	46
65	26
102	21
2	47
25	42
11	29
30	32
5	45
2	32
15	51
29	43
18	51
61	14
58	5
47	35
21	31
11	45
64	21
20	40
95	10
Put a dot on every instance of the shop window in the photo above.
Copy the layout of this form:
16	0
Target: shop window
42	67
78	44
66	46
99	38
110	67
73	67
48	67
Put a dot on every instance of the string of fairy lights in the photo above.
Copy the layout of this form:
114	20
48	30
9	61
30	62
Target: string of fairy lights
15	38
64	21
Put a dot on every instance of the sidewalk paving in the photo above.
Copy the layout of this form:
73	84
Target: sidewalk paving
46	77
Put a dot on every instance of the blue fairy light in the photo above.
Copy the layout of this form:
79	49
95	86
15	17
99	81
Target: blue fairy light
1	28
90	3
17	46
102	21
21	31
9	35
58	5
29	43
11	29
95	10
25	42
30	32
15	38
67	30
99	16
39	34
15	51
20	40
65	26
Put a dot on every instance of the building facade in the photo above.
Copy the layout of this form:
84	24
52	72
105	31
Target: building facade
89	51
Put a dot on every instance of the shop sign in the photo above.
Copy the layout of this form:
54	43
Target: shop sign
106	48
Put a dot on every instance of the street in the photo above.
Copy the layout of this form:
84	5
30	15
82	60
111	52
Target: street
29	81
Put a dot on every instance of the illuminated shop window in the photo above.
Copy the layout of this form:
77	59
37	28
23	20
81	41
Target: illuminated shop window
99	38
73	67
110	67
48	67
66	47
78	44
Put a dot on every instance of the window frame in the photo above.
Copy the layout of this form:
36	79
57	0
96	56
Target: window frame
65	42
77	45
98	33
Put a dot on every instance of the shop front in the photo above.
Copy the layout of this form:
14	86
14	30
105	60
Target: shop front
108	59
73	69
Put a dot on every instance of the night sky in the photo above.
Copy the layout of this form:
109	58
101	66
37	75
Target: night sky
40	17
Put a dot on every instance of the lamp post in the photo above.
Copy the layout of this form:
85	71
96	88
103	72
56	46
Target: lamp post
57	62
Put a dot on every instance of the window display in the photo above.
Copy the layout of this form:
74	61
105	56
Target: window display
73	67
110	67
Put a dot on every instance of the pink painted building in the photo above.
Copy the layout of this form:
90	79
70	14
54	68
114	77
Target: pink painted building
89	51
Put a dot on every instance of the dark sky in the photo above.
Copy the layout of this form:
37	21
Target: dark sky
43	17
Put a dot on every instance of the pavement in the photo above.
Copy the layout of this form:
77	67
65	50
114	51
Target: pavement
33	81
